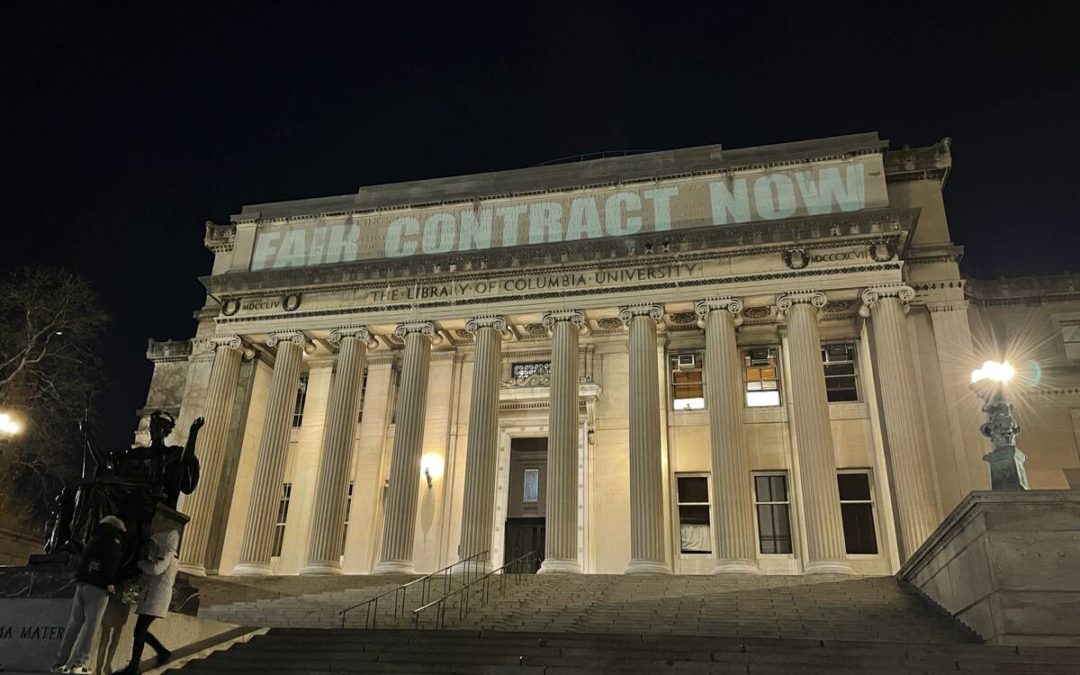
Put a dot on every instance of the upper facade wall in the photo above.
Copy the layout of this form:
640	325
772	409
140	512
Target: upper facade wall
478	219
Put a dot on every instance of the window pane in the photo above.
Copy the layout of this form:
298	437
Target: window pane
853	486
694	515
778	486
689	403
774	529
761	488
532	486
859	535
762	399
693	489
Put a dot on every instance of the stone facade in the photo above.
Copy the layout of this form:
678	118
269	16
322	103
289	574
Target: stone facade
549	338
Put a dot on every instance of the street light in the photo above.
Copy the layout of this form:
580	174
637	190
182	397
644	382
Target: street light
9	426
1006	460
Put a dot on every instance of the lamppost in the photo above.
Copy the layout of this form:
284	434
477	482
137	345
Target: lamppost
1006	460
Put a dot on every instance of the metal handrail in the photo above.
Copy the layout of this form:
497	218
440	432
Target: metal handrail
463	606
371	616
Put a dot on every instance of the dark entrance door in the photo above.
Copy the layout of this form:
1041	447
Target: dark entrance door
527	500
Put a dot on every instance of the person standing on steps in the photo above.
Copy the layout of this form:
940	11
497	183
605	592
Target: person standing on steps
158	576
96	580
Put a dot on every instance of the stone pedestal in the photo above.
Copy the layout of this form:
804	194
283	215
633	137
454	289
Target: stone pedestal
1007	564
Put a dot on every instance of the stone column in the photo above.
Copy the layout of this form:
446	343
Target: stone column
909	457
257	546
733	529
399	519
561	536
647	550
211	449
339	433
952	339
482	451
813	435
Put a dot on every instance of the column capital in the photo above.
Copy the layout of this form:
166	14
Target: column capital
653	311
901	292
871	296
359	332
723	303
572	315
486	321
213	343
425	328
294	336
815	299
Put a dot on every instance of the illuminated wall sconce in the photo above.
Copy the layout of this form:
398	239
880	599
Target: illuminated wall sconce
431	466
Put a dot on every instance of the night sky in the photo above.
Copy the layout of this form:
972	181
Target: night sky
128	124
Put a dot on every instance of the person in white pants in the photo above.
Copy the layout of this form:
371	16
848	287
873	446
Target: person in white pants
96	579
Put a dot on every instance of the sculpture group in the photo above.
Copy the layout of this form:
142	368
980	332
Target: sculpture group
130	483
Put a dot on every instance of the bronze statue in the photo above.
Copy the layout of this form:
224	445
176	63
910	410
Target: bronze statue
128	482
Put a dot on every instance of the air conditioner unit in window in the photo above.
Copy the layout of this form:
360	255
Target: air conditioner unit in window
686	360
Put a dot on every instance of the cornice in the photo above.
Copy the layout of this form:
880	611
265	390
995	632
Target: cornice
219	238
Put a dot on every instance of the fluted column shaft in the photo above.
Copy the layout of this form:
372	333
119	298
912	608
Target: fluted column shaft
399	519
211	450
339	433
561	537
733	532
916	503
482	449
813	436
647	550
257	547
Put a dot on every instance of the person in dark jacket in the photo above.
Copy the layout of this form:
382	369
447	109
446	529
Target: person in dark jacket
96	579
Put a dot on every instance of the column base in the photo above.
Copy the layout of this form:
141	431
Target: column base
193	569
557	566
321	567
394	567
252	569
647	567
828	567
735	567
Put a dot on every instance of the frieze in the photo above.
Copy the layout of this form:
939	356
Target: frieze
723	280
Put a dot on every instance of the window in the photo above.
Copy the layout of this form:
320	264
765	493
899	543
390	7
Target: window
348	508
395	382
693	500
761	376
363	392
532	374
773	519
687	381
857	512
301	398
840	380
532	486
1070	333
282	516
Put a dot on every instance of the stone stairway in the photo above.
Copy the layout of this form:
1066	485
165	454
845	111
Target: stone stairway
563	624
323	610
867	608
292	651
